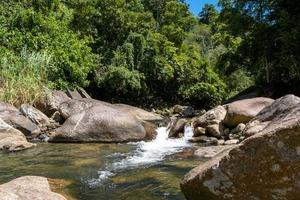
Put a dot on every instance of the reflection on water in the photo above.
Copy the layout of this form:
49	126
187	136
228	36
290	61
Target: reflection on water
81	164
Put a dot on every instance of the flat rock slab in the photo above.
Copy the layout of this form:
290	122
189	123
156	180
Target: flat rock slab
28	188
212	151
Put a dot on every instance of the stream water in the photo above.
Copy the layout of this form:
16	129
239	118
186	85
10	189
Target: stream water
133	171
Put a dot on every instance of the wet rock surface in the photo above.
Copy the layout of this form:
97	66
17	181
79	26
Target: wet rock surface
177	128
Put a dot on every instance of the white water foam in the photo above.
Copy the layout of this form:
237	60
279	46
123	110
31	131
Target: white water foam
102	177
148	153
156	150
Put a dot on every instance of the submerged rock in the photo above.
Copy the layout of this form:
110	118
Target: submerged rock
264	166
12	139
243	111
28	188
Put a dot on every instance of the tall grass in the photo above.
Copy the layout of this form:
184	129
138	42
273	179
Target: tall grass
23	77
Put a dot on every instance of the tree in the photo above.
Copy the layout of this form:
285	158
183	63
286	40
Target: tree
41	26
270	37
208	14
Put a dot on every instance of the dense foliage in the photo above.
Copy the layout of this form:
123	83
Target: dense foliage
270	38
148	52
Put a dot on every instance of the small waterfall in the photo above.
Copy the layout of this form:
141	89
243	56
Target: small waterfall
148	153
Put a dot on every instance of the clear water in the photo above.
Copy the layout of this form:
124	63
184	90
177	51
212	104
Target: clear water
134	171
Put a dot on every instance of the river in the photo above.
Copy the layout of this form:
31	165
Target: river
132	171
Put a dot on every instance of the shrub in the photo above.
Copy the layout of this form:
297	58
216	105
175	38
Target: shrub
23	77
203	94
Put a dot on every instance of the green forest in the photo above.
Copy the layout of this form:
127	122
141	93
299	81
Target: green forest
147	52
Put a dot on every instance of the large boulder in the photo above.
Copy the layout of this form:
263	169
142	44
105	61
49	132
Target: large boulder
243	111
11	139
270	113
101	123
75	106
264	166
28	188
14	117
88	120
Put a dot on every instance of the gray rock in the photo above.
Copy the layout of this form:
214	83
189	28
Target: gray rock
213	116
198	131
75	106
177	127
13	117
215	130
233	136
52	101
212	151
73	94
184	111
11	139
83	93
204	140
34	115
270	113
239	129
221	142
28	188
231	142
263	166
243	111
138	112
102	123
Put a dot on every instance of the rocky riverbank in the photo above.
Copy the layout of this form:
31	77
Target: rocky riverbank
263	166
251	145
75	117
